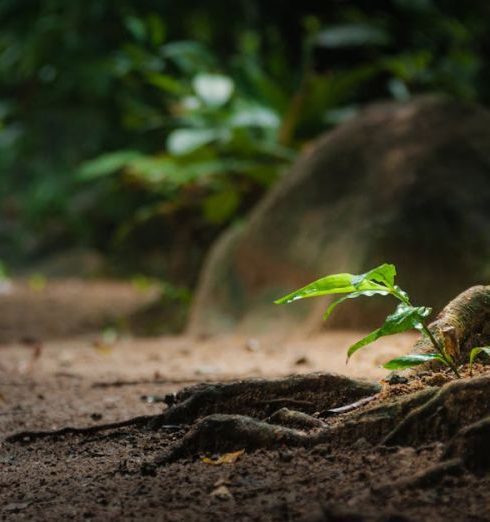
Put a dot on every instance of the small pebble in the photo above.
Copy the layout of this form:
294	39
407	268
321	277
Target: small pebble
222	492
252	345
301	360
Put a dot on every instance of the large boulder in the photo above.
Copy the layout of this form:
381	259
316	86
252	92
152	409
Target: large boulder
402	183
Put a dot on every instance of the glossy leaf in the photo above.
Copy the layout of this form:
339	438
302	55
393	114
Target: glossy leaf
475	352
384	274
404	318
353	295
378	281
332	284
408	361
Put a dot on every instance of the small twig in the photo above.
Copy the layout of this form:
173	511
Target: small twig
349	407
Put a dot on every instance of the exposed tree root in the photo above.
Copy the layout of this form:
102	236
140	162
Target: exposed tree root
260	398
455	405
470	444
295	419
463	324
221	433
375	422
31	436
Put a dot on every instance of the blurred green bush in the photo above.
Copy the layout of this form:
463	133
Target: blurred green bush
143	129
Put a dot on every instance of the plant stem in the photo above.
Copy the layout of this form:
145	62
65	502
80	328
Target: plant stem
440	350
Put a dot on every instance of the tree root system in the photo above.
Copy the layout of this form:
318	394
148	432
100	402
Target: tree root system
325	409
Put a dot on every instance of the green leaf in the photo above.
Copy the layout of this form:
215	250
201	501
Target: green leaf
378	281
353	295
214	89
107	164
332	284
156	29
165	83
190	56
477	351
3	272
384	274
255	116
136	27
351	35
184	141
404	318
407	361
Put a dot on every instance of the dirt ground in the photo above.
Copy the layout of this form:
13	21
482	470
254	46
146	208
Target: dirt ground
59	368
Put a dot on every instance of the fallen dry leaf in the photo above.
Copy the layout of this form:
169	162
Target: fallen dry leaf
226	458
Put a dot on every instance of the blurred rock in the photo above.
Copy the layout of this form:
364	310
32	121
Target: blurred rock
401	183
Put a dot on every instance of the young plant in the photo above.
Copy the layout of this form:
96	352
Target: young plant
379	281
475	352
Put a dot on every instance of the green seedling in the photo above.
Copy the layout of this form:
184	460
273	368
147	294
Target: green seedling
379	281
475	352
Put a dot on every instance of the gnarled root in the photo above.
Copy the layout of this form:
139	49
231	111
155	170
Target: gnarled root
295	419
220	433
463	324
470	444
254	413
454	406
260	398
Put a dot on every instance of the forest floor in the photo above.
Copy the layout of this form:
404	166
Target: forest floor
58	370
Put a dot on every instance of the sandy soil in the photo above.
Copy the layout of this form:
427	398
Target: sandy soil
48	382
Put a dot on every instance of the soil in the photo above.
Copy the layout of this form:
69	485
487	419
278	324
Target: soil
387	458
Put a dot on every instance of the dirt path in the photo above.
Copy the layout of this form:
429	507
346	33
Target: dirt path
93	378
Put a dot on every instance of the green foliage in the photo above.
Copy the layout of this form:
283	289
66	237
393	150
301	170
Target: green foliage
219	140
409	361
378	281
3	272
404	318
475	352
182	107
